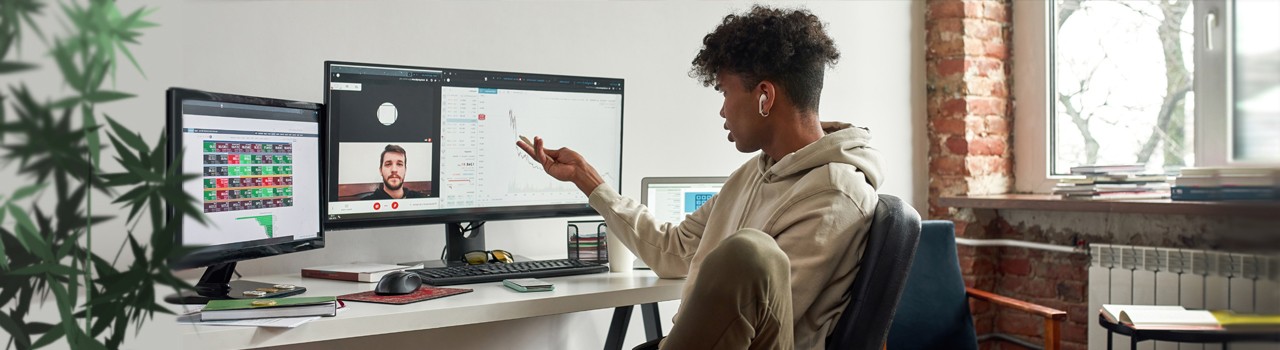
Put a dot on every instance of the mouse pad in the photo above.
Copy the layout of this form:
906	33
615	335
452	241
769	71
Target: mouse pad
423	293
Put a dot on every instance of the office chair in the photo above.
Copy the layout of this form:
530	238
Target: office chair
934	310
882	274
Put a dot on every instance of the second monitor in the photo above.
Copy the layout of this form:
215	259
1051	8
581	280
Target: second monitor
417	145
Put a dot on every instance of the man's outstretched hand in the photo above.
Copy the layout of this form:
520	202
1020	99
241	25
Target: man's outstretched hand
563	164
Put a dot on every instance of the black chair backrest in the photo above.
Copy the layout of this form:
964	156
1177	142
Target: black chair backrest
882	272
934	310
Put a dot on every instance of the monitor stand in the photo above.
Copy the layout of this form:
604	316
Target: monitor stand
457	243
216	284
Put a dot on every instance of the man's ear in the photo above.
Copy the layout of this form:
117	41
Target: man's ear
768	95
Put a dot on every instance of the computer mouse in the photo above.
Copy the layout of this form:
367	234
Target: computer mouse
398	282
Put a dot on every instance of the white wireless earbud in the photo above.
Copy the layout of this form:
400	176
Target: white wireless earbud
762	113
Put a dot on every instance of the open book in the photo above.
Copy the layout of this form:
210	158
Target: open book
1160	317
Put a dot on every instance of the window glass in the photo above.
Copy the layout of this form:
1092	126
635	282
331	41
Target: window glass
1256	122
1122	81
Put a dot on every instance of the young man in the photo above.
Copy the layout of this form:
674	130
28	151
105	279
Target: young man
392	166
770	257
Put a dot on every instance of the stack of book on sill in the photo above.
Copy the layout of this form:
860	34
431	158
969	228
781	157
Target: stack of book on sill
1227	184
243	309
1112	182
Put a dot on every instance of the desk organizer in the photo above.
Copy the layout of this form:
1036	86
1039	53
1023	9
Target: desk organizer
587	241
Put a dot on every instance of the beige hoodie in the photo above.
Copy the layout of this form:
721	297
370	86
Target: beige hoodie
817	203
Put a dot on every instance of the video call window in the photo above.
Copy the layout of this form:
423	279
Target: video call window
388	130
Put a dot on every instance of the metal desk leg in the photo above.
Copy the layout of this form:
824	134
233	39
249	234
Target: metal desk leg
1109	333
652	322
1133	342
618	327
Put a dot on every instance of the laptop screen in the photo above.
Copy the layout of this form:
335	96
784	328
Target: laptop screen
671	199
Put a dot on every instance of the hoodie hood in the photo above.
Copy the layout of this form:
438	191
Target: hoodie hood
843	143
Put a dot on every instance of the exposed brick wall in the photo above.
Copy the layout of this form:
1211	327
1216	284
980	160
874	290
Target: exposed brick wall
968	99
969	122
1054	279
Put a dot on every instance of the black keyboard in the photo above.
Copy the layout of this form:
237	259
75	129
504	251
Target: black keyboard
445	276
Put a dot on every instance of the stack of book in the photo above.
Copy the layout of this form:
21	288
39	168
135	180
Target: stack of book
1101	182
358	272
240	309
1237	183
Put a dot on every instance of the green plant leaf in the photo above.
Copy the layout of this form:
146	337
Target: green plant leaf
38	327
132	195
67	102
118	286
48	338
24	192
20	336
129	137
64	56
107	96
157	156
120	179
4	254
8	67
96	69
101	323
45	268
27	234
84	341
65	303
145	173
123	155
128	54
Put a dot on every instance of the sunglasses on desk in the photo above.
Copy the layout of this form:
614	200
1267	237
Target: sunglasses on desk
477	257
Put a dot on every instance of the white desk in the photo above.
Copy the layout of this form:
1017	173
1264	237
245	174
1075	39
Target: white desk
488	303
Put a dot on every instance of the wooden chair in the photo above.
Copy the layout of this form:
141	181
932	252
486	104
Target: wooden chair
934	310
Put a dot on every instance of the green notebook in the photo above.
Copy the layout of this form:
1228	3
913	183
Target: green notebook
238	309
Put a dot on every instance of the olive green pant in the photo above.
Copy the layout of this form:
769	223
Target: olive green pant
741	298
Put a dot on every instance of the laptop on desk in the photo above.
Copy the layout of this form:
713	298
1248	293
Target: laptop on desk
670	199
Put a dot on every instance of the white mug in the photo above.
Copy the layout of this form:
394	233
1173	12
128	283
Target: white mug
620	258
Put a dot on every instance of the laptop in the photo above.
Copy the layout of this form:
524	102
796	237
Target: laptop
670	199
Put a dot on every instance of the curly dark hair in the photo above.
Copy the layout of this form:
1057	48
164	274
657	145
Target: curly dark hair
789	47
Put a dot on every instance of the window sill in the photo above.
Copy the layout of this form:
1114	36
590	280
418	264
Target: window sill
1048	202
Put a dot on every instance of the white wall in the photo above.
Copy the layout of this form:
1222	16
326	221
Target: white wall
672	126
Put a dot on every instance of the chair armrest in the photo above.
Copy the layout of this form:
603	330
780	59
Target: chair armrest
1039	310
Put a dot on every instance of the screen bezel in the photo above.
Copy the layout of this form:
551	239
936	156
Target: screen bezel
225	253
442	216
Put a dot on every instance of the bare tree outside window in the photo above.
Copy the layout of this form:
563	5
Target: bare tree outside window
1122	84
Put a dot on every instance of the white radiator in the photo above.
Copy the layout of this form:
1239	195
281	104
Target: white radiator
1196	279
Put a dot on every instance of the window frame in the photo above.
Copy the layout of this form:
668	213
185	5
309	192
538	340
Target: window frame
1033	52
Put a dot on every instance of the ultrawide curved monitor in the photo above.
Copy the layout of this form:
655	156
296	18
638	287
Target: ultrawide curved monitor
418	145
